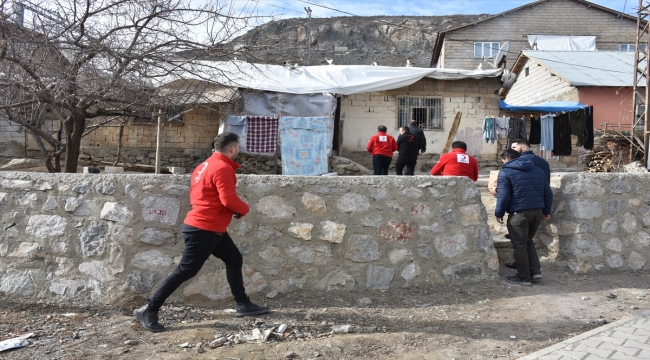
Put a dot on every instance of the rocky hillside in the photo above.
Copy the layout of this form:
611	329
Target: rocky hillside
387	40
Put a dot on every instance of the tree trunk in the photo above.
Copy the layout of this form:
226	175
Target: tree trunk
74	132
119	144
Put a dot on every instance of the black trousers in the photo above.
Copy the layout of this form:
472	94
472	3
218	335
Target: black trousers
199	245
409	164
522	226
380	164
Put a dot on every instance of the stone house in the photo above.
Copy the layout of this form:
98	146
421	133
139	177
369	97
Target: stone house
561	76
465	47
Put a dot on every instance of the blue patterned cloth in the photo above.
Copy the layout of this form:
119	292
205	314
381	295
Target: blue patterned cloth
303	143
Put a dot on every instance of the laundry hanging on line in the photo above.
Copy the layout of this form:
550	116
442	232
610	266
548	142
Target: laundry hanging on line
516	129
262	135
304	145
546	132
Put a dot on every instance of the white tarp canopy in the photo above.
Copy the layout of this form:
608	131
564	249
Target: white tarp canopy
562	43
339	79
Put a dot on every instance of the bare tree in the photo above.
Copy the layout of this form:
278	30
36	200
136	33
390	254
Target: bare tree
86	63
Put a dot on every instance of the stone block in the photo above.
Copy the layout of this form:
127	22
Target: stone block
398	231
274	207
399	255
362	248
336	280
96	270
585	209
379	277
451	246
319	255
352	202
92	240
21	282
636	261
332	232
314	203
157	237
114	212
411	271
301	230
151	260
46	225
113	170
160	209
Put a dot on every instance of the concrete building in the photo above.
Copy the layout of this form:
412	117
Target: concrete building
602	79
437	101
465	47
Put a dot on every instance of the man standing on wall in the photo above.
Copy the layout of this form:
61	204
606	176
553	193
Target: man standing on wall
456	163
524	193
408	152
214	202
381	146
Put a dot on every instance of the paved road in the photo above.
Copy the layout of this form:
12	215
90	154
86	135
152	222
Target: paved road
626	339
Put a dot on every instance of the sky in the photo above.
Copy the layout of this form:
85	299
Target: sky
295	8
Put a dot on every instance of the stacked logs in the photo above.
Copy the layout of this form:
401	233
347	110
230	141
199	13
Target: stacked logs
611	151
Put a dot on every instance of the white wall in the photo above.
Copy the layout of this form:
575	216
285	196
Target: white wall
362	113
539	86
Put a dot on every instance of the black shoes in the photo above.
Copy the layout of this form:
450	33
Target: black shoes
247	308
512	265
148	319
517	280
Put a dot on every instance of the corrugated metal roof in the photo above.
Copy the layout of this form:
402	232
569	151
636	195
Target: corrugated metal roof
589	68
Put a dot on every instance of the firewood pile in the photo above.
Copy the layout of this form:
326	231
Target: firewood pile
612	151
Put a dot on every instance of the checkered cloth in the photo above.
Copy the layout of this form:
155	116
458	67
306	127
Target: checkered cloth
262	136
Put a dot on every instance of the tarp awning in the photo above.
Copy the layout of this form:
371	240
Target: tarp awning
553	106
339	79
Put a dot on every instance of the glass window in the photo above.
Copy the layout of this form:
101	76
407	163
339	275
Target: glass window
486	49
629	47
427	111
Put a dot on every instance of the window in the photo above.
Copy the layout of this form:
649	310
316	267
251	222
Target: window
629	47
527	71
485	49
427	111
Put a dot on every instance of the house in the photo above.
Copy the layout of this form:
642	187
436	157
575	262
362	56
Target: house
188	130
543	25
603	79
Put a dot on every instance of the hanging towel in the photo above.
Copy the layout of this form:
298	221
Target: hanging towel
535	131
546	138
589	123
262	135
237	120
501	125
489	130
303	145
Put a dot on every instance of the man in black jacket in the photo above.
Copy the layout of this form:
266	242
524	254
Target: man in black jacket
419	134
408	151
527	198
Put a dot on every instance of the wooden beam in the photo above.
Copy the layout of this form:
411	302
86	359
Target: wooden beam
452	132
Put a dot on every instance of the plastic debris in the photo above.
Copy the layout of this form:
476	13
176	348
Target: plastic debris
14	343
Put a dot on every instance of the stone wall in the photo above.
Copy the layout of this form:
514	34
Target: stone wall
112	238
600	222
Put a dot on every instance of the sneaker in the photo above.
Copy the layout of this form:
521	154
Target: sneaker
512	265
148	319
517	280
247	308
537	276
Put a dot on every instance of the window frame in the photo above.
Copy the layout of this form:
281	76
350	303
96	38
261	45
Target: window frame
434	106
482	47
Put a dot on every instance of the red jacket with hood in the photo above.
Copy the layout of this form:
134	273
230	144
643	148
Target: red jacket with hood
456	163
213	197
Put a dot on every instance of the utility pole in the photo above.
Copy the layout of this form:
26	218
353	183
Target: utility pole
641	81
308	59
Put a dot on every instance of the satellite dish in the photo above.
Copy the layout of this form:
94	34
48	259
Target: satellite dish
374	63
408	63
329	61
500	58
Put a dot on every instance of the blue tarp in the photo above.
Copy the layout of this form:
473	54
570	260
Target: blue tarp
553	106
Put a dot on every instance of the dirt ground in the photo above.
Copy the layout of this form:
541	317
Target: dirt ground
472	321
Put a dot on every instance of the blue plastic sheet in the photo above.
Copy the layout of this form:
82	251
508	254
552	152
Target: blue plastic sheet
553	106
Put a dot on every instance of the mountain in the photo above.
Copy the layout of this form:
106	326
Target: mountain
353	40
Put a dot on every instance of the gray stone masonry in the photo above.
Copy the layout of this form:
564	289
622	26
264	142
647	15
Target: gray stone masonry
111	237
627	339
600	222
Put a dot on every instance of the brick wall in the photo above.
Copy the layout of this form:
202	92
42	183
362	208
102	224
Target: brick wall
362	113
198	130
539	86
553	17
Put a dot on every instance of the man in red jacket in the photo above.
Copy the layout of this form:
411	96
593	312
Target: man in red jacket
456	163
214	202
381	146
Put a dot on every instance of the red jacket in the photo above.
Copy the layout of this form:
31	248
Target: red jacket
213	197
382	144
456	163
